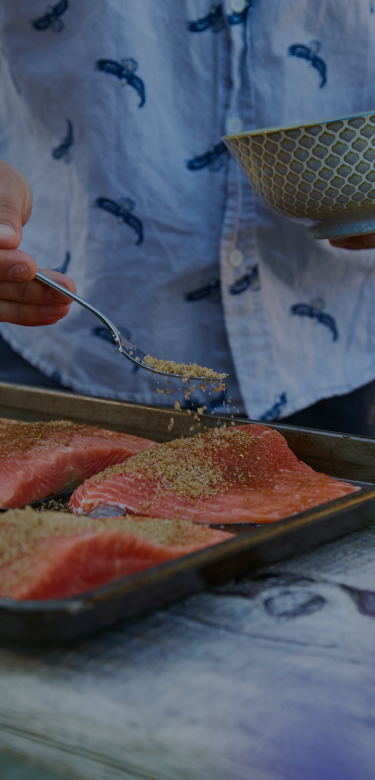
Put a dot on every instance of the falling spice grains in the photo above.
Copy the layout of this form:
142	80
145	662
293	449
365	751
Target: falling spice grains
211	381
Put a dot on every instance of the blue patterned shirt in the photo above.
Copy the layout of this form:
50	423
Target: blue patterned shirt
115	113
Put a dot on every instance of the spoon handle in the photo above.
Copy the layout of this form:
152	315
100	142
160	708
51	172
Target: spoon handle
56	286
129	350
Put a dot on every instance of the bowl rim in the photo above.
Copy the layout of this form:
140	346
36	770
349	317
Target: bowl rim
299	126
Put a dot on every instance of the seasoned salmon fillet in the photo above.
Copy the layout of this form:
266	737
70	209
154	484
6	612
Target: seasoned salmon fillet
39	459
243	474
50	555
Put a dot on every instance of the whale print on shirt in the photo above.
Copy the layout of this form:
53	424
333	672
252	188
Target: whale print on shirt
62	151
249	280
213	158
215	20
211	291
314	310
276	410
62	269
125	71
310	53
51	18
122	210
101	332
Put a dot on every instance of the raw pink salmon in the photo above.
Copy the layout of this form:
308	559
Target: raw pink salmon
40	459
49	555
243	474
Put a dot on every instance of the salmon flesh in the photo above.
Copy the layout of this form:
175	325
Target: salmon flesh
49	555
40	459
243	474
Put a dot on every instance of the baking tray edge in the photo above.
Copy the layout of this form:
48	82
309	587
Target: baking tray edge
341	455
55	621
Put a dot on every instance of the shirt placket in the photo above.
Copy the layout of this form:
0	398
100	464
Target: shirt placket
246	321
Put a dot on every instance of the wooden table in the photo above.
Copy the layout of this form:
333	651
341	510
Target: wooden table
268	679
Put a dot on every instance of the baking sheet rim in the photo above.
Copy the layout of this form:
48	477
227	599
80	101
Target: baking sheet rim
268	530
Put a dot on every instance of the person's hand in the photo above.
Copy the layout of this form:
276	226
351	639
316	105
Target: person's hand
367	241
23	300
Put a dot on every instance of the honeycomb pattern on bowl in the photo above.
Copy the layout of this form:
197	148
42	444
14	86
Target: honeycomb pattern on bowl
312	171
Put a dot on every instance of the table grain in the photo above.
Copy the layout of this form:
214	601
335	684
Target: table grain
270	678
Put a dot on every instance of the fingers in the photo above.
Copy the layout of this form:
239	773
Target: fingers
32	292
22	267
54	295
28	301
366	241
16	266
15	205
31	315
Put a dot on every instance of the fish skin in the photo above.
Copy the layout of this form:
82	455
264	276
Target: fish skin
49	468
56	566
279	484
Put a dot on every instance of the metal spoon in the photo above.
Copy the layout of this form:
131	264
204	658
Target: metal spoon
126	348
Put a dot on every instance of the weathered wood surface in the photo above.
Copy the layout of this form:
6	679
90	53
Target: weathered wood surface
16	768
268	679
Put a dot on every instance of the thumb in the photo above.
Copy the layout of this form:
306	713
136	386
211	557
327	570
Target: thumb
15	205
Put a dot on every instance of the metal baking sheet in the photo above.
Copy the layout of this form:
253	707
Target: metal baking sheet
343	456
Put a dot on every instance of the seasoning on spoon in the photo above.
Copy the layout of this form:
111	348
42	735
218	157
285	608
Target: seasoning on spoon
187	372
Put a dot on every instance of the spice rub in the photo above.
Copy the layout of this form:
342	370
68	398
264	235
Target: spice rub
52	555
191	371
39	459
242	474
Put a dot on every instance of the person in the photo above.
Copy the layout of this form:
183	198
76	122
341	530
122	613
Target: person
113	116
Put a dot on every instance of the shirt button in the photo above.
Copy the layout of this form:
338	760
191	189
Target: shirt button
234	125
238	6
235	258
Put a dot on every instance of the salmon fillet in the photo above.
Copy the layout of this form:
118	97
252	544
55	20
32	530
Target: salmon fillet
243	474
49	555
39	459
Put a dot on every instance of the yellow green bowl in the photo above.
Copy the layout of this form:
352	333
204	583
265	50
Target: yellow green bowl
320	173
